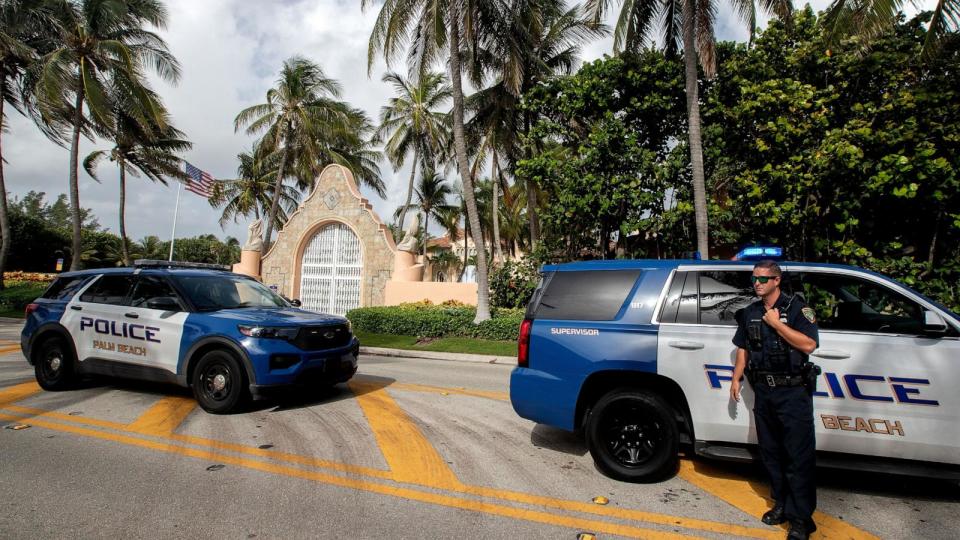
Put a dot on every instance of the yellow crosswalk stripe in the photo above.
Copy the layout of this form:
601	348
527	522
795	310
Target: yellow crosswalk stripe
408	453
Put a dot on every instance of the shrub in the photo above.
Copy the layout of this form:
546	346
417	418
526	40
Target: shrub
512	285
424	319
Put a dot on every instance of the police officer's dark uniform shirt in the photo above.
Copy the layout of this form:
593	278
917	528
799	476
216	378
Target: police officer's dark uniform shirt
783	413
797	315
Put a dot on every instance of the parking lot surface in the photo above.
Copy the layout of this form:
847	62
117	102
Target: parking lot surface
410	448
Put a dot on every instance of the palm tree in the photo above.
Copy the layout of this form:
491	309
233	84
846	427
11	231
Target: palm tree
441	26
101	43
539	40
432	193
690	23
23	27
252	191
148	150
411	121
868	19
299	112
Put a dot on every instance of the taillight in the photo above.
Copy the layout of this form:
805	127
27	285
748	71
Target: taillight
523	343
30	309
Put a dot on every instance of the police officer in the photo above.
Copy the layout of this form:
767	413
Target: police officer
774	336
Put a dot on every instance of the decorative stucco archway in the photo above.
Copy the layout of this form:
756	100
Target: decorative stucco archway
334	230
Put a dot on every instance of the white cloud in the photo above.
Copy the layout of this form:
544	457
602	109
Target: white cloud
231	52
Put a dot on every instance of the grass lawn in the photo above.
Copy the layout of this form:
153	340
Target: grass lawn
11	313
451	344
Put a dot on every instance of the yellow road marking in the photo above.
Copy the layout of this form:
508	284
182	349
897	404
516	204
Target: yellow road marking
745	495
30	411
9	349
373	487
17	392
164	416
410	456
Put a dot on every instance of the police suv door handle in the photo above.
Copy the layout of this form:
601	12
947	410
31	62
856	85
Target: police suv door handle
832	355
76	308
131	315
686	345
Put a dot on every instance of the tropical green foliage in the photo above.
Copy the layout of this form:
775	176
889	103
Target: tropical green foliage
842	155
611	156
423	319
41	232
513	283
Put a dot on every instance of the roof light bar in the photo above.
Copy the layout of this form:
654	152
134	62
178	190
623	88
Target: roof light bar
154	263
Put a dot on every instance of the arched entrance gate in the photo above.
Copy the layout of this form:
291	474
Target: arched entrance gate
330	271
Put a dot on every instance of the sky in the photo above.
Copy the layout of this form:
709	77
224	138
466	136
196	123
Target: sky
230	53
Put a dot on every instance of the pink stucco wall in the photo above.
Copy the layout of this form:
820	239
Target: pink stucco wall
398	292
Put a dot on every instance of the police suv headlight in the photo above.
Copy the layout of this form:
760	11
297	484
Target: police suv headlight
269	332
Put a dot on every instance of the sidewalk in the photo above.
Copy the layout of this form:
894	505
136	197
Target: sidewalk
430	355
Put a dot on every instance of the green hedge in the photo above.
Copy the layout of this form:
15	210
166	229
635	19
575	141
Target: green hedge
16	295
446	320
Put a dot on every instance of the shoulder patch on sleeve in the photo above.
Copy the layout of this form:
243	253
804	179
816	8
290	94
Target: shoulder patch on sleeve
809	314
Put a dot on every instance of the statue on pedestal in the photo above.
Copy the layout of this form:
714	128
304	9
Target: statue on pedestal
409	242
254	236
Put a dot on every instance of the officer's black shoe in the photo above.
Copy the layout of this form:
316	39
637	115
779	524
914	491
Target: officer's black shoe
800	530
774	516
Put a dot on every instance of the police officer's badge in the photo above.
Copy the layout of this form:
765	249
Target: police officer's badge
809	314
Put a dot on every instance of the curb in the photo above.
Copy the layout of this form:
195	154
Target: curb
5	320
429	355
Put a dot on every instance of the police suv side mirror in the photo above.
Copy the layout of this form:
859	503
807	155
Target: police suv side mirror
933	323
166	303
296	302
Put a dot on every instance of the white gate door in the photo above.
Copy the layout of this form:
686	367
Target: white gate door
330	272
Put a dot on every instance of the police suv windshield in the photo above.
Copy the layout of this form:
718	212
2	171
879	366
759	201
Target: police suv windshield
210	293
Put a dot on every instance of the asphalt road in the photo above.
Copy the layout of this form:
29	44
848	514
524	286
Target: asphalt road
409	449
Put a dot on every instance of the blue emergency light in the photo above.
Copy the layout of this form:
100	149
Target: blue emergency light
755	253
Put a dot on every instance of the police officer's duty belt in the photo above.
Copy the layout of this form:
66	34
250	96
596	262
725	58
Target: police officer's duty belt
777	379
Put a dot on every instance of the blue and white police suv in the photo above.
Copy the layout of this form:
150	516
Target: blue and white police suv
638	355
225	335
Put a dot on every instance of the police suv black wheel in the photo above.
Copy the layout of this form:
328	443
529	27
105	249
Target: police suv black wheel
54	366
218	382
633	436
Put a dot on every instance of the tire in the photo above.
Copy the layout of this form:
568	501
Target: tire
55	365
219	383
633	436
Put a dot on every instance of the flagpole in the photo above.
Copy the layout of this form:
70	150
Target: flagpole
176	210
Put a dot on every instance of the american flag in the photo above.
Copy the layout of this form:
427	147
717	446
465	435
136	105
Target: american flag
200	182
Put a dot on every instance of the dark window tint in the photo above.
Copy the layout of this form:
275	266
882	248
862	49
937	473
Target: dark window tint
722	293
65	287
109	289
688	300
671	304
848	303
594	295
150	287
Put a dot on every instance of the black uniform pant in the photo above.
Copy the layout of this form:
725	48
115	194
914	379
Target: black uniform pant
784	417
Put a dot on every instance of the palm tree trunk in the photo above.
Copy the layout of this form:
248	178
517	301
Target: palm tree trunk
4	216
123	202
532	217
466	252
74	181
693	120
426	237
460	145
277	191
413	171
497	256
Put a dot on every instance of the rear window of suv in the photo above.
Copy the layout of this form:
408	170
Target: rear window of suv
65	287
591	295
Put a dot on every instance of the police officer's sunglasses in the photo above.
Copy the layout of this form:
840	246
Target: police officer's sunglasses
762	279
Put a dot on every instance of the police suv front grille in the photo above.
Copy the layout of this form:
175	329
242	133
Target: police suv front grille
316	338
